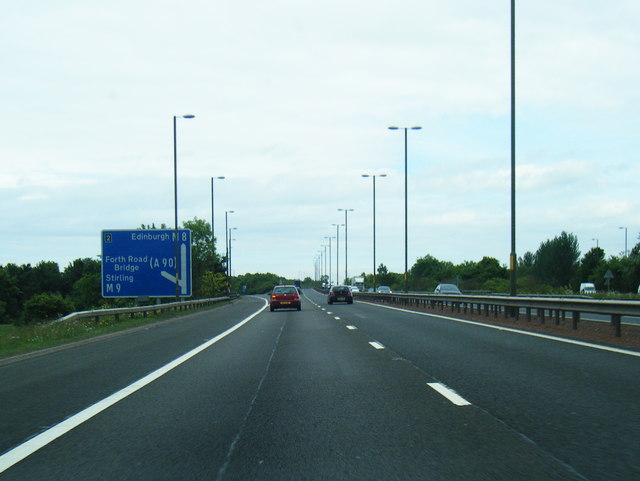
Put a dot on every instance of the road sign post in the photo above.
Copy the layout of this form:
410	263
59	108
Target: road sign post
607	279
143	263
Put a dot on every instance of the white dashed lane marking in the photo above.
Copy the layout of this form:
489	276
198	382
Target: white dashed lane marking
450	394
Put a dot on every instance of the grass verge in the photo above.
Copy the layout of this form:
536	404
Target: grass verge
16	339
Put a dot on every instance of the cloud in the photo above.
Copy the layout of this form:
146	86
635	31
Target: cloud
292	103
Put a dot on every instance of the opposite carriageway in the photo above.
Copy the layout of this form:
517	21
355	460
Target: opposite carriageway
558	309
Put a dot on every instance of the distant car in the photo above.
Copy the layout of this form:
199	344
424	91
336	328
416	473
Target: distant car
587	288
284	297
447	289
354	289
384	290
340	294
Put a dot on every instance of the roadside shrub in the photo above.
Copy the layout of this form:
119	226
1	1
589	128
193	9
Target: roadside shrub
45	307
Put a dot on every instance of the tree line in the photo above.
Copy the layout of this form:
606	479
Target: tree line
556	267
44	291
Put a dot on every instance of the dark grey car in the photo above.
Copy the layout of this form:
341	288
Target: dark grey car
340	294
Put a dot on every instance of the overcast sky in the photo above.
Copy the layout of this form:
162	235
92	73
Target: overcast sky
292	102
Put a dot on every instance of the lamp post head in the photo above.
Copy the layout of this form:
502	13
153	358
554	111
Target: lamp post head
188	116
374	175
394	128
416	128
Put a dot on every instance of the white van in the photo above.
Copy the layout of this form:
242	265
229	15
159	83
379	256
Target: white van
587	288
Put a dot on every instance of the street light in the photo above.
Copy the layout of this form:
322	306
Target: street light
324	266
346	229
231	229
213	232
338	252
406	241
329	271
175	199
596	241
513	258
625	240
374	224
226	238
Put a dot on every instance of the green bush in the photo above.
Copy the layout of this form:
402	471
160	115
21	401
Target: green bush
45	307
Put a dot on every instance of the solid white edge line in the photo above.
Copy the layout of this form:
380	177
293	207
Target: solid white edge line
376	344
516	331
29	447
450	394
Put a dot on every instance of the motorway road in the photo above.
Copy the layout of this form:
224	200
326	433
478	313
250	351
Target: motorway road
342	392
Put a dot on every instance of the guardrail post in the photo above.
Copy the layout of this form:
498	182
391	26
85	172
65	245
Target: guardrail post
557	317
575	320
541	316
615	321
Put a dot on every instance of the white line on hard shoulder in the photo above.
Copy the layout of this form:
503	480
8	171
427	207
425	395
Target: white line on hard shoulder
450	394
29	447
376	344
351	328
516	331
337	318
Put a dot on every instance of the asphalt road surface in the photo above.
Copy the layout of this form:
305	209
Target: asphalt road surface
341	392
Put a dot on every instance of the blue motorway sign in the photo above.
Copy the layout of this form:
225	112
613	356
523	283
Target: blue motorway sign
143	263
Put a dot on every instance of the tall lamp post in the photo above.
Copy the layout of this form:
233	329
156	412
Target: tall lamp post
324	266
226	239
406	229
213	231
231	229
338	252
346	247
329	271
513	290
625	240
375	285
175	200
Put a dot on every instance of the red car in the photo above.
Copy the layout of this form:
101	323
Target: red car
284	297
